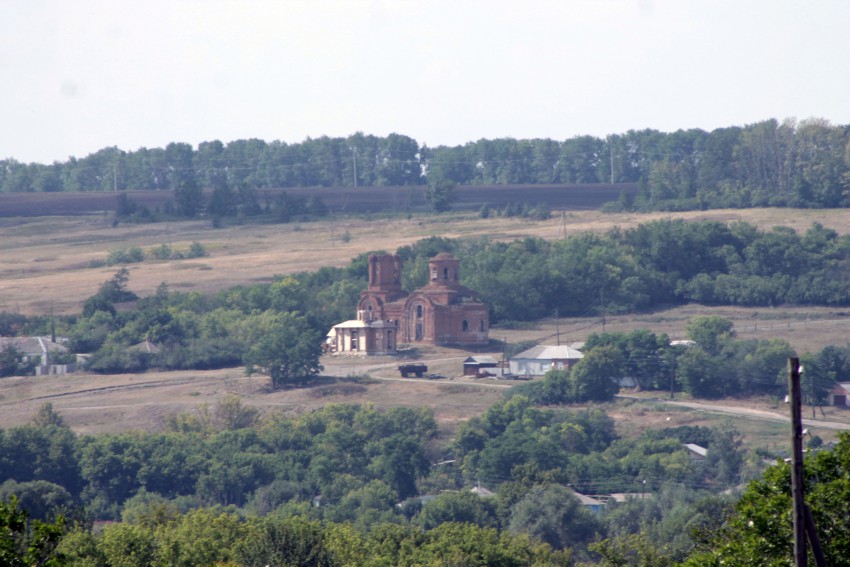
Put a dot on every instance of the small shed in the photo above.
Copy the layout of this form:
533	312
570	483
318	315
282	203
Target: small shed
839	396
473	365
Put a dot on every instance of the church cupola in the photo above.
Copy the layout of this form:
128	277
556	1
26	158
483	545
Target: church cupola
444	269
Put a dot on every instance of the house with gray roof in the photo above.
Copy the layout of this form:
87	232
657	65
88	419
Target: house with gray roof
539	360
40	349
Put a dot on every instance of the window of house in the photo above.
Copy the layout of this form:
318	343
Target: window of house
418	311
354	340
445	273
434	274
465	326
481	325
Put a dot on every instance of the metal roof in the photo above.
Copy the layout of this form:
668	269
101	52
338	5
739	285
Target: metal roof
551	352
483	359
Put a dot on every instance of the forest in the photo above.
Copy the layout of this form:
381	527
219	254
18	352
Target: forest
769	163
350	485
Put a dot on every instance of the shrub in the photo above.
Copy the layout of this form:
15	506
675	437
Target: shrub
129	255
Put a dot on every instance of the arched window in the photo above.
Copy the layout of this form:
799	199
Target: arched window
418	311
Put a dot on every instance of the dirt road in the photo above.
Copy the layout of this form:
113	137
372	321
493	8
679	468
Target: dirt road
744	412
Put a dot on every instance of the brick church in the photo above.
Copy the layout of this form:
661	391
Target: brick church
441	313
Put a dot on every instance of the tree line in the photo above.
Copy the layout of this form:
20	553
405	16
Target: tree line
367	470
711	364
654	265
768	163
351	485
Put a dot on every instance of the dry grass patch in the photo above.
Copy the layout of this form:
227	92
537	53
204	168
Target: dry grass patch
45	261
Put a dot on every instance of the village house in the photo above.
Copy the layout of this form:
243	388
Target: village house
589	503
41	349
539	360
443	312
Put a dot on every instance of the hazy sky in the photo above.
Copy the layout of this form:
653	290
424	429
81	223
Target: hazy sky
78	76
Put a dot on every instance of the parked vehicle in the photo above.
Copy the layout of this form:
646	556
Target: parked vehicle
416	368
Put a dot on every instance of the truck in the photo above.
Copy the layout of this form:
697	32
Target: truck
418	369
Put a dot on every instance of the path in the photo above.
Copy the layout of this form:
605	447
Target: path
747	413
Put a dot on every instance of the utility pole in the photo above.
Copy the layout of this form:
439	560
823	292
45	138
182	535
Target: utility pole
803	522
354	160
672	395
602	306
799	512
557	328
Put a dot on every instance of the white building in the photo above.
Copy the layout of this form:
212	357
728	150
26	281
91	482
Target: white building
539	360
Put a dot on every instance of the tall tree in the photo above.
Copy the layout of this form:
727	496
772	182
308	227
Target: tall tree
288	351
597	376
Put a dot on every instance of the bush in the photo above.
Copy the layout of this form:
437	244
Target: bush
162	252
129	255
196	250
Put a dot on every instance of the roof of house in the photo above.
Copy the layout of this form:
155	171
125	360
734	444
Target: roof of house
358	324
145	346
351	324
701	451
481	491
550	352
841	388
32	345
587	500
482	359
626	496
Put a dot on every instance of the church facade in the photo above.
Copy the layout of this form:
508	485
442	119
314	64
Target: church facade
443	312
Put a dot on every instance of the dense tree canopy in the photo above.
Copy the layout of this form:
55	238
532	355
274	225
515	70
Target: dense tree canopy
769	163
759	532
342	485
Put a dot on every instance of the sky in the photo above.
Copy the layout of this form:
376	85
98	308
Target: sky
79	76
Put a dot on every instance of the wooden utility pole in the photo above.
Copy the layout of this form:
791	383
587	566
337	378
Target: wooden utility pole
799	511
804	524
557	327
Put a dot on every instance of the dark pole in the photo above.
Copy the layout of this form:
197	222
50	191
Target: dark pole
799	512
814	540
672	375
557	327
